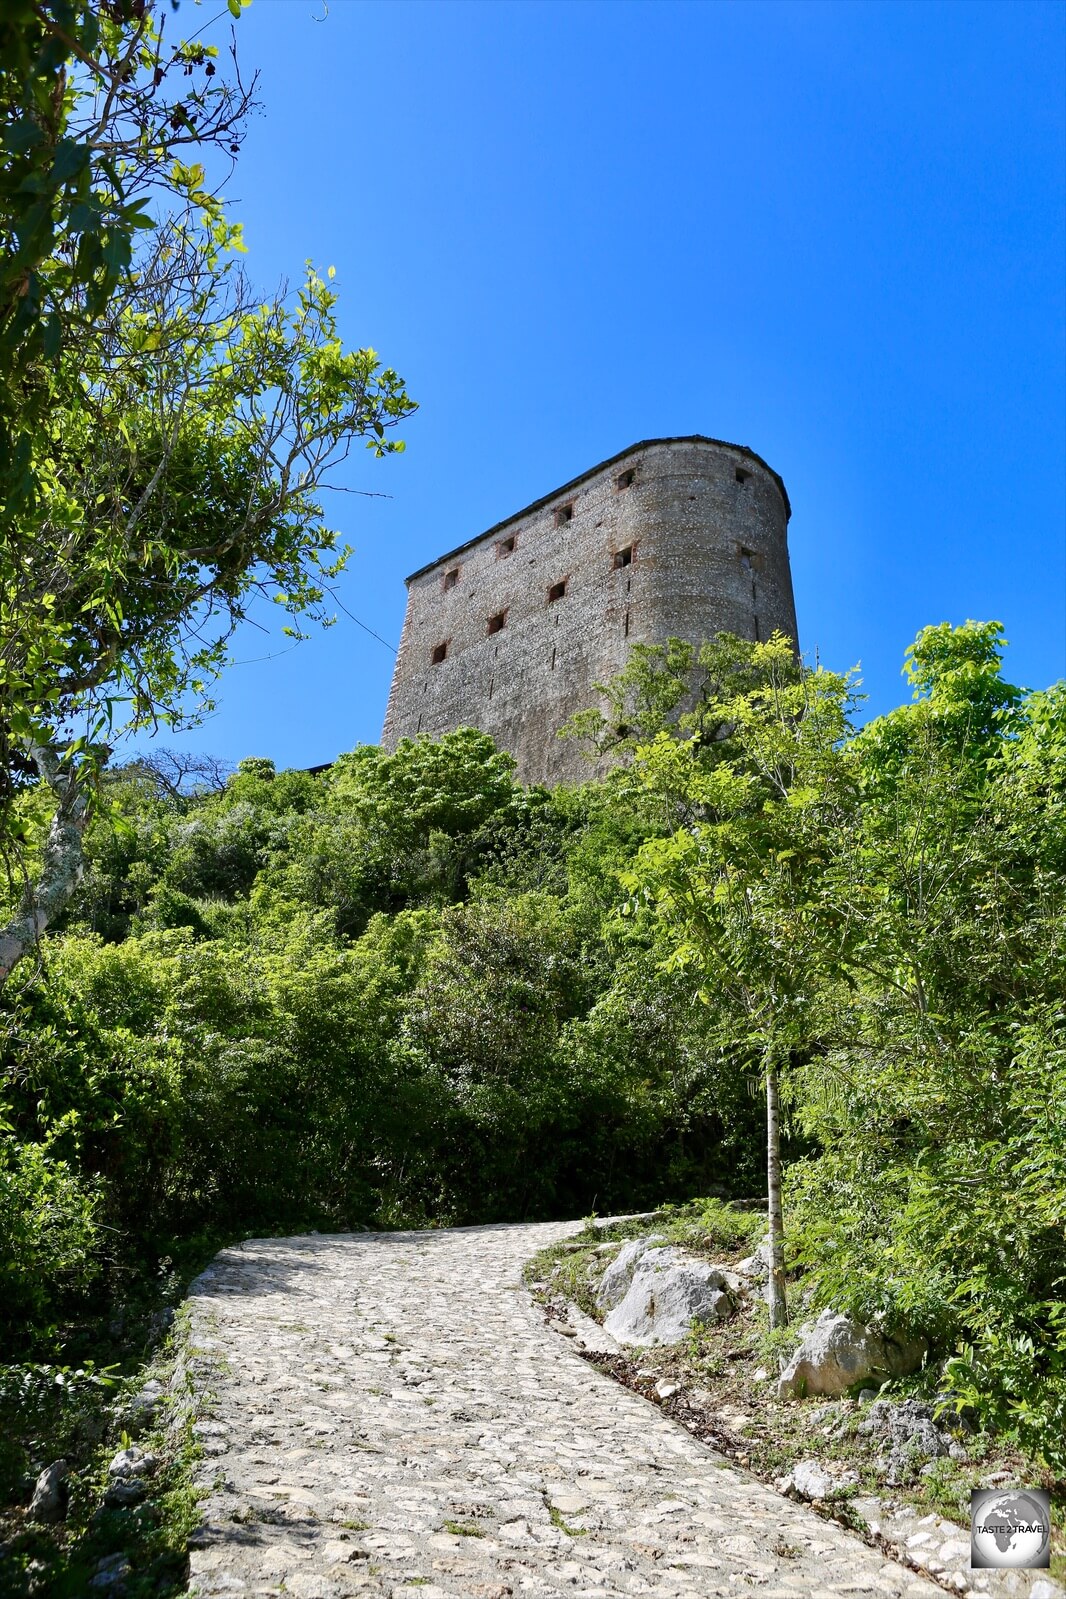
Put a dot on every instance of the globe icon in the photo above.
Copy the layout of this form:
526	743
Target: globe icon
1010	1530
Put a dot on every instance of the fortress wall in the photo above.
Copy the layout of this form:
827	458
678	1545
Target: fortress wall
708	553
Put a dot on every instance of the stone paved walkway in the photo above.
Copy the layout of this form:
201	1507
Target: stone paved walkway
388	1414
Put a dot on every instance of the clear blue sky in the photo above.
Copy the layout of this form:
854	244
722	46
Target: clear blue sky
833	232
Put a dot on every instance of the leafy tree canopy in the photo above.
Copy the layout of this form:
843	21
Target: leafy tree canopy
170	432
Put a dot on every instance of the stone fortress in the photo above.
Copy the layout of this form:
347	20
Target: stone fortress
682	537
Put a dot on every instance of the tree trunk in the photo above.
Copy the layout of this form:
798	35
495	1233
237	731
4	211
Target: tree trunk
776	1287
62	860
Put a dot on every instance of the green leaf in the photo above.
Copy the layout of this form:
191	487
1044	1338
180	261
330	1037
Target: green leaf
51	336
23	135
70	158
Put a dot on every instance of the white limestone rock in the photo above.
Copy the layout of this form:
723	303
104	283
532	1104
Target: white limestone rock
836	1352
666	1294
809	1479
110	1575
131	1462
127	1476
616	1279
755	1269
141	1410
911	1435
49	1500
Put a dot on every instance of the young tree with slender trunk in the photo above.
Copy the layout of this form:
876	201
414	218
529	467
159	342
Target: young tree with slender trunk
733	889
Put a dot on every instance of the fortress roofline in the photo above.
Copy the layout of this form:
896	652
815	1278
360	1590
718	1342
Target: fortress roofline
612	460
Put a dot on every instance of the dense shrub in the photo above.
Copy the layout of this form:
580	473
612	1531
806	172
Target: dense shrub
50	1241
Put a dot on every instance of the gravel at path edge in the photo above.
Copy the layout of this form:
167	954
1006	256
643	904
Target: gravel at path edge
387	1414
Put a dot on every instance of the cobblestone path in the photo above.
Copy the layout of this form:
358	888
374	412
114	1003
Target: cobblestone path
387	1414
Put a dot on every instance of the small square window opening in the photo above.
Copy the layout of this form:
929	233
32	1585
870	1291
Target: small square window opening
741	475
506	547
623	557
451	578
495	623
564	514
626	479
557	591
440	651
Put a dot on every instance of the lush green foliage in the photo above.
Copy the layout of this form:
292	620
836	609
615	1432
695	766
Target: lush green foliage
410	991
382	994
95	106
885	911
165	432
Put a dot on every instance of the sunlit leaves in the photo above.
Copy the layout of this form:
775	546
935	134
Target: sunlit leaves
164	434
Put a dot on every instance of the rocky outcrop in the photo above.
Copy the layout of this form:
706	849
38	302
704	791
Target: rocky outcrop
910	1435
141	1412
666	1294
619	1274
110	1575
49	1502
836	1353
127	1476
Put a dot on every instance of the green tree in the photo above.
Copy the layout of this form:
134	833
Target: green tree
395	828
735	883
96	104
938	1197
485	1023
177	465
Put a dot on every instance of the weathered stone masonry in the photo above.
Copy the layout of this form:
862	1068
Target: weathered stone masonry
681	537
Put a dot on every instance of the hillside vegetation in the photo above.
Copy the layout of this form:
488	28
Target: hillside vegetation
409	991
